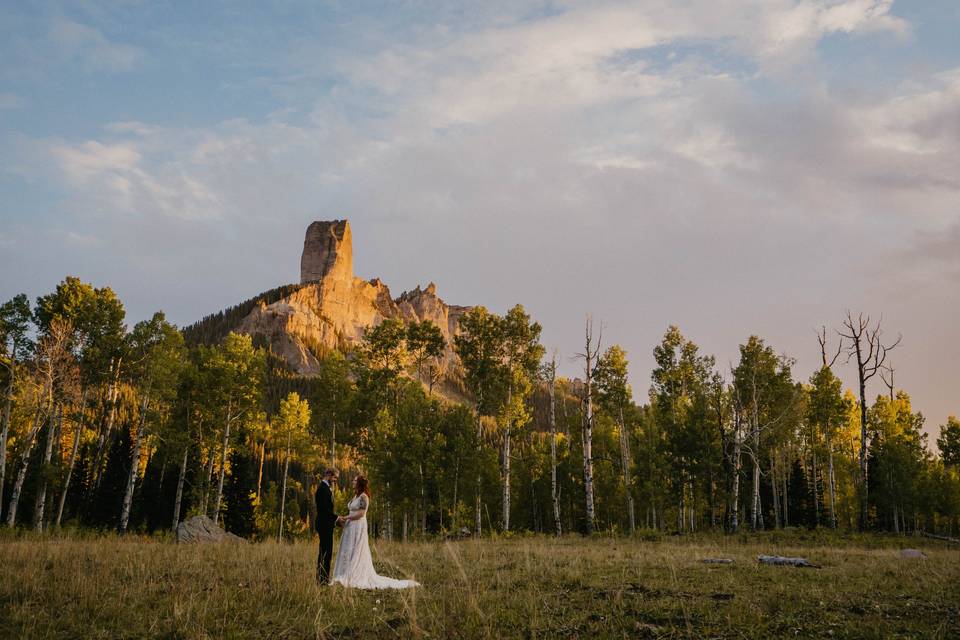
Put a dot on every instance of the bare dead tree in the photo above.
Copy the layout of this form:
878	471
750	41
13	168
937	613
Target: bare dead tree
822	339
589	356
886	374
866	347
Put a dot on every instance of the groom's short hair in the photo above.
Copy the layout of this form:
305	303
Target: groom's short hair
329	471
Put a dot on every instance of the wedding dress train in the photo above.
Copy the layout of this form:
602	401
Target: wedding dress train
354	564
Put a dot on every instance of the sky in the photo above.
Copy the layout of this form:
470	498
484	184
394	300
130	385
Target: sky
733	167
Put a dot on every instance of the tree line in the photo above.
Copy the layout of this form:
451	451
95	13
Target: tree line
135	429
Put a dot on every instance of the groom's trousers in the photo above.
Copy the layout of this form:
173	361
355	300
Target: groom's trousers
326	552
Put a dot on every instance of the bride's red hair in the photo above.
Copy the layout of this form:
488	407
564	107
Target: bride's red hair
363	486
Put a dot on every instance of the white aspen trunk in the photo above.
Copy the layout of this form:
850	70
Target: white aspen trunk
73	459
682	509
786	502
759	509
735	481
625	464
24	464
773	488
179	499
263	453
588	436
478	520
833	489
755	495
40	502
283	491
7	409
333	443
423	503
755	516
223	461
112	392
404	539
134	466
505	470
453	513
816	493
554	496
208	481
713	502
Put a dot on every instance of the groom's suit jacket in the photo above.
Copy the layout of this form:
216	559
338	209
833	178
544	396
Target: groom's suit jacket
326	518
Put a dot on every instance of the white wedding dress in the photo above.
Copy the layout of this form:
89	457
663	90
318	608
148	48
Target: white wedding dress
354	565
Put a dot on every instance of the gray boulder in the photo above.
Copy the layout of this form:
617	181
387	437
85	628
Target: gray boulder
201	529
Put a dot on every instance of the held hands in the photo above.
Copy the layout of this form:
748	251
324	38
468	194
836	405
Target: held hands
340	520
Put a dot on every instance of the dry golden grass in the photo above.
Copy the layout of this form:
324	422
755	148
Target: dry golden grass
523	587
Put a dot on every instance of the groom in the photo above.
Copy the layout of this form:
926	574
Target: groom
327	520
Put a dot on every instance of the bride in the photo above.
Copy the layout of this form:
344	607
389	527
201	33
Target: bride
354	566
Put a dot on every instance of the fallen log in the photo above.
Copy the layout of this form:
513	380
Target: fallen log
717	561
936	537
785	561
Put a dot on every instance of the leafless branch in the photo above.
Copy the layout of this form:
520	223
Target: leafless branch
822	339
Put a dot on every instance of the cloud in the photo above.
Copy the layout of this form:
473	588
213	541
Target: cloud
599	53
579	98
114	178
91	47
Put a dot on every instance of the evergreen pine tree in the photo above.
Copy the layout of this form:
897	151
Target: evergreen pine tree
104	512
151	509
240	492
800	495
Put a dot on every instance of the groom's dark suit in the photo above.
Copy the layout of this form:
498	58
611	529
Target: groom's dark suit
326	522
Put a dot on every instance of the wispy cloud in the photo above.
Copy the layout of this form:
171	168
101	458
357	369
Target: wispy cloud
88	44
114	178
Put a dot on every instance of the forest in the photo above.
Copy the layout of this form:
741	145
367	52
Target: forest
133	429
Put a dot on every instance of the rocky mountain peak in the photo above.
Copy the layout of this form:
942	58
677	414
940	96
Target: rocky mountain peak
332	309
327	252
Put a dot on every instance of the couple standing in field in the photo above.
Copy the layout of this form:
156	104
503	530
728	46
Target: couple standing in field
354	567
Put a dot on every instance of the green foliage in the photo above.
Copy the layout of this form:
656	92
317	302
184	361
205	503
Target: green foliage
96	316
15	320
157	357
424	342
231	376
480	348
611	376
239	411
949	442
898	458
681	406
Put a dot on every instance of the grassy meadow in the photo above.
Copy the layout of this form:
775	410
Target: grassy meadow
524	587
